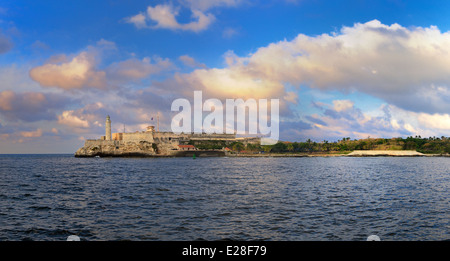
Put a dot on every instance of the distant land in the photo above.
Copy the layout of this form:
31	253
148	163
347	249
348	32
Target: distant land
431	145
153	143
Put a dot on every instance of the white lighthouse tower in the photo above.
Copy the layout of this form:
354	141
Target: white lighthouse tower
108	135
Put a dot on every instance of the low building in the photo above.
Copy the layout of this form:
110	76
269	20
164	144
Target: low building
186	147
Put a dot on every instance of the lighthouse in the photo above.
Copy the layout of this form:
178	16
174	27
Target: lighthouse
108	128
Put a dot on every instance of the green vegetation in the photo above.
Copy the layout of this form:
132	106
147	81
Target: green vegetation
209	144
431	145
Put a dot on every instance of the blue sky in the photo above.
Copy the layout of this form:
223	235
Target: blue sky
349	68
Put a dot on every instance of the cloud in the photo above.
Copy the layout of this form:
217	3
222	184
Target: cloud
31	134
68	118
31	106
77	73
138	20
103	45
191	62
342	105
229	33
343	119
435	121
81	71
84	119
387	121
229	83
134	69
164	17
406	67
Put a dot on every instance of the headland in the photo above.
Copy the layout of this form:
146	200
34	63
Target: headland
153	143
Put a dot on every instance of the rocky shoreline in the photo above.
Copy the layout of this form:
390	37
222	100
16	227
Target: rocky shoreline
217	153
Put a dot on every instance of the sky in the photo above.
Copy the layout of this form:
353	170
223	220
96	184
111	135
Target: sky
347	68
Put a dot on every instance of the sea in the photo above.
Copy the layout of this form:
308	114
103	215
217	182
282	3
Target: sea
50	197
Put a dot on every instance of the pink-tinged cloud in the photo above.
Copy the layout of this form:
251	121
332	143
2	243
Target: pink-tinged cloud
80	72
68	118
6	99
84	120
31	134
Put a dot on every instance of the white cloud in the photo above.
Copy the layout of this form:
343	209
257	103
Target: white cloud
231	83
138	20
70	119
164	17
342	105
434	121
407	67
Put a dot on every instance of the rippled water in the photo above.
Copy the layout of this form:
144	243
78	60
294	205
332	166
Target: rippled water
49	197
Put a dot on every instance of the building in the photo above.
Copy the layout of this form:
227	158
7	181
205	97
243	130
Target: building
186	147
151	142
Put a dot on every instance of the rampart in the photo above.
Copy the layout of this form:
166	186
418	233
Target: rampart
152	143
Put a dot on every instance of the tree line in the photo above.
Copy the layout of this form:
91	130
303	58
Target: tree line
431	145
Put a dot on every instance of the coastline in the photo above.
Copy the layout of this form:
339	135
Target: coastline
356	153
215	153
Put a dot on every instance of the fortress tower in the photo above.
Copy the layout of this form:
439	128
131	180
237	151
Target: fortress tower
108	135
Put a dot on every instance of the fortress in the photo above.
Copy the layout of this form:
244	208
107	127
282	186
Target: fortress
150	143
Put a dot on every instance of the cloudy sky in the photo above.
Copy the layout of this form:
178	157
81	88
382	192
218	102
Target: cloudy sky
347	68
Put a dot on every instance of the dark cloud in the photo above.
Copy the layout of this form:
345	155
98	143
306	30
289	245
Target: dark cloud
316	120
31	106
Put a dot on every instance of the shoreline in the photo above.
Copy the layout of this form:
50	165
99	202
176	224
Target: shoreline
205	154
331	155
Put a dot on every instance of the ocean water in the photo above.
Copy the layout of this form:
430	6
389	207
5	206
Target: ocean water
49	197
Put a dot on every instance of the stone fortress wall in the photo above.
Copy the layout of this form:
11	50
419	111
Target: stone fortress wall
148	143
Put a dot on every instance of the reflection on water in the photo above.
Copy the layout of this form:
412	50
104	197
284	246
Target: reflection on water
48	197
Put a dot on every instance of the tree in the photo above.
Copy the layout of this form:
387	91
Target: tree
326	145
279	147
237	146
290	147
